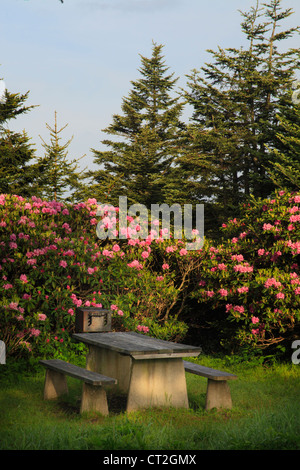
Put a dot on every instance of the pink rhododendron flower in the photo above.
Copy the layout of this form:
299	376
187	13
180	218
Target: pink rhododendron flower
145	329
239	308
255	320
135	264
268	226
165	266
272	282
210	293
63	263
222	267
42	316
223	292
243	268
183	252
23	278
280	295
34	332
243	289
113	307
13	305
238	258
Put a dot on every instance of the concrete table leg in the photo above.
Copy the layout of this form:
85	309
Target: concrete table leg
55	385
93	399
218	394
110	363
157	382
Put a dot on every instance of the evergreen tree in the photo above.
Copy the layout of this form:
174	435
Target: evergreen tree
17	168
139	161
58	178
235	101
286	169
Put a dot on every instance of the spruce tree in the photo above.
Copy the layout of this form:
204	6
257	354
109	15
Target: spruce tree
286	168
235	101
17	167
59	178
144	146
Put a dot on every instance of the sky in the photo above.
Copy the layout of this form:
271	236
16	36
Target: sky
78	57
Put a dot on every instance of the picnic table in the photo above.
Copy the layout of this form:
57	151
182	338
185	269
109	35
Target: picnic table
150	371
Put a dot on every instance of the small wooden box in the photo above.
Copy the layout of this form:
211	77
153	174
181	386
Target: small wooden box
92	319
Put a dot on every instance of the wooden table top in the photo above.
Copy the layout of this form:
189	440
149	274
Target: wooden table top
137	345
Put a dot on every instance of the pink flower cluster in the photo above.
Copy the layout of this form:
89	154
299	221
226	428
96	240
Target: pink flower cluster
271	282
243	268
142	328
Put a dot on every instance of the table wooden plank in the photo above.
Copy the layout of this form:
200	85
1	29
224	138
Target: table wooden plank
136	344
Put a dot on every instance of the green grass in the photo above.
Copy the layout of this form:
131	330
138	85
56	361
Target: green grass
265	415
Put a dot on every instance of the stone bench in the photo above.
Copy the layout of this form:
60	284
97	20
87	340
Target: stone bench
93	394
218	392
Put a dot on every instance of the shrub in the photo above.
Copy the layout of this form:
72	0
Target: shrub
52	261
251	278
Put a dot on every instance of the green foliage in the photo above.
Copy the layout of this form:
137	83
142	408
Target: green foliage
139	161
17	170
52	262
56	175
252	278
235	101
286	168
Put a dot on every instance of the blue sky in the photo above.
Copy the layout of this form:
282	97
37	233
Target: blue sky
78	58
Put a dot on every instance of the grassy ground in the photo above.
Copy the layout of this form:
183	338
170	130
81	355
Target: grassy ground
265	415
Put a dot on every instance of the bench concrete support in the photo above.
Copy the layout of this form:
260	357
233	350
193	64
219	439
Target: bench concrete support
218	394
55	385
93	394
93	399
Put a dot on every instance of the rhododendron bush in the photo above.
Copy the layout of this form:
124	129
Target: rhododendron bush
252	278
52	262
